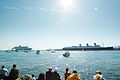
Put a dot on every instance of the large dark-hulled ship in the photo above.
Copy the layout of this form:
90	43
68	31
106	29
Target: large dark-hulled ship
88	47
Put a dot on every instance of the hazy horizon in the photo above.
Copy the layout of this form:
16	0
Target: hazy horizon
51	24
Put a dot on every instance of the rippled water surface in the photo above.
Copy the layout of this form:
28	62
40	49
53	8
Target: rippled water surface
85	62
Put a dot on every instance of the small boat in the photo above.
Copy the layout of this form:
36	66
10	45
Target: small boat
8	51
67	54
52	51
26	51
37	52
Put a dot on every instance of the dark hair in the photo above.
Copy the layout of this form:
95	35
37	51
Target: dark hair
41	76
74	71
3	66
33	75
14	65
99	72
67	69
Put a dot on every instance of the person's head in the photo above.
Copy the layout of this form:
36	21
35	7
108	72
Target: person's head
41	76
56	69
33	75
3	66
67	69
74	71
14	65
98	72
50	69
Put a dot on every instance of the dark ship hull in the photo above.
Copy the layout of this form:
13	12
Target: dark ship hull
89	49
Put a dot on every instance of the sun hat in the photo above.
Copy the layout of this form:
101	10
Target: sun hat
56	69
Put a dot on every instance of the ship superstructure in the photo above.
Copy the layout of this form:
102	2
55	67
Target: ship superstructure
21	48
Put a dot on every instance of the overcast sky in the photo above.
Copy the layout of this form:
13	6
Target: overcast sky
43	24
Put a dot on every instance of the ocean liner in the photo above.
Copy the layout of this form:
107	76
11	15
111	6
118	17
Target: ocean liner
88	47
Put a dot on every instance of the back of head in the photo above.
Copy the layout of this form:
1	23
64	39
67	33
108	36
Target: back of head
33	75
98	72
67	69
3	67
14	65
56	69
50	69
41	76
74	71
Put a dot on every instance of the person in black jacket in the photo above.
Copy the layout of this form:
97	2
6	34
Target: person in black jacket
41	76
14	73
56	76
49	74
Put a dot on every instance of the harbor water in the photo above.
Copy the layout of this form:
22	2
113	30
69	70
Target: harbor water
85	62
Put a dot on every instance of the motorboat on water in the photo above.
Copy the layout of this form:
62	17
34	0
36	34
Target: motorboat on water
66	54
7	51
52	51
38	52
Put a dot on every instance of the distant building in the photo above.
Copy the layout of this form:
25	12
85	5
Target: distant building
21	48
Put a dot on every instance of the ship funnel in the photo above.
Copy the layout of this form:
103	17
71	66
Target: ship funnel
87	44
94	44
19	45
79	44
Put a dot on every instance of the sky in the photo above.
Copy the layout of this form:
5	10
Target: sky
54	24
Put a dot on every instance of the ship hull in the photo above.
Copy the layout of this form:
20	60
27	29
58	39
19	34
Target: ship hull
90	49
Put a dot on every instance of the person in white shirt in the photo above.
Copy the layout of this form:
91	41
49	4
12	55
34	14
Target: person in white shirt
3	72
98	75
33	77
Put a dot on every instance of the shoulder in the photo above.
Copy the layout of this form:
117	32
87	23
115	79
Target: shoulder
69	77
6	70
70	73
12	69
17	68
65	73
47	72
55	73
